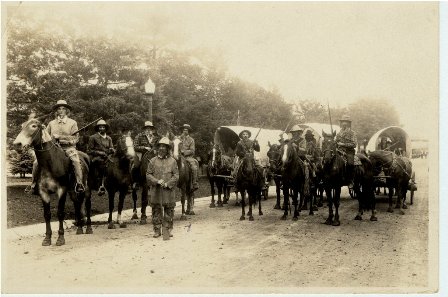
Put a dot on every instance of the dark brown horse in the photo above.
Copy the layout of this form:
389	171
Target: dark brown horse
400	171
293	178
249	178
118	177
218	167
275	169
334	178
139	177
185	179
56	176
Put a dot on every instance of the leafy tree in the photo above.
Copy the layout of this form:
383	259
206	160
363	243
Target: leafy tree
21	163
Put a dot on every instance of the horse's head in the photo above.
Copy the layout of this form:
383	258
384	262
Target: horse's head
274	156
328	147
125	148
215	156
380	158
248	164
32	134
176	148
289	153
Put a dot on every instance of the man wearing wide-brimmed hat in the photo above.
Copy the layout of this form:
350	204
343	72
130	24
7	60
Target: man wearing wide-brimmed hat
312	150
145	141
99	147
162	175
187	149
347	141
61	130
244	147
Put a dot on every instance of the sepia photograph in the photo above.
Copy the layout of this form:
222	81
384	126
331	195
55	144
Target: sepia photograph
220	147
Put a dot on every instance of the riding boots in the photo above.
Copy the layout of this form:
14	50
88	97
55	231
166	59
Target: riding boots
78	173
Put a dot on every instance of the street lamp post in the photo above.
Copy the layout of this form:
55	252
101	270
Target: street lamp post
149	92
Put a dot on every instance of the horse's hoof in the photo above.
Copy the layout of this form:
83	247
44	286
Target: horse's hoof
111	226
358	218
405	206
390	209
251	218
283	217
212	205
311	213
402	212
134	216
242	218
79	231
260	213
220	205
191	213
336	223
46	241
373	218
89	230
123	225
320	204
277	206
328	221
60	241
295	218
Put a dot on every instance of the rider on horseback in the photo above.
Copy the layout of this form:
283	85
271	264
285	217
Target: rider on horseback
347	141
99	148
61	130
187	149
245	147
144	142
312	151
298	140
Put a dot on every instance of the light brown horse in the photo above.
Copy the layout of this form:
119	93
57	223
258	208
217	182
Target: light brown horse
55	176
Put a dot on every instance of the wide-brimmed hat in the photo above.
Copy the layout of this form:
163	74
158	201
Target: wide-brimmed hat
345	118
148	124
165	141
309	134
186	126
241	133
61	103
101	123
296	128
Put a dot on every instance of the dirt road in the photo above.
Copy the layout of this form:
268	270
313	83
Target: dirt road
215	252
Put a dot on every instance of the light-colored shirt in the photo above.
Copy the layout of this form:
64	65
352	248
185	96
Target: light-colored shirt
64	128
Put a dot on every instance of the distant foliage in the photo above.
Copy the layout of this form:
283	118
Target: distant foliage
21	163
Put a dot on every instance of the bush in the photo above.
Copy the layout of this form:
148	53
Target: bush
21	163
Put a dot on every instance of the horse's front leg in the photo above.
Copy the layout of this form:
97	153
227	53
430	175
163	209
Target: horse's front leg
285	201
182	200
143	217
295	202
61	217
391	192
47	215
400	197
260	213
219	185
121	198
251	198
190	203
88	203
328	192
111	194
337	199
361	201
77	202
277	191
134	203
212	191
243	206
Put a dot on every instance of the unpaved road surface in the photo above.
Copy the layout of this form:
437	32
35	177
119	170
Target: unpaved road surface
215	252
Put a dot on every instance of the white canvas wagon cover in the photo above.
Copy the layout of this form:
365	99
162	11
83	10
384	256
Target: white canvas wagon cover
227	138
397	135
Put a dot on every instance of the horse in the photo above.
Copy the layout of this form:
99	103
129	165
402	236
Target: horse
218	167
275	166
139	177
334	178
399	169
118	177
293	178
185	179
249	179
56	176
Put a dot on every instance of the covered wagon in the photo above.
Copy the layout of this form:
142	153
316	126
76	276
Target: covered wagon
398	139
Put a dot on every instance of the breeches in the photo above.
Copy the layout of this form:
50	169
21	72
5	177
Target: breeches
193	163
168	216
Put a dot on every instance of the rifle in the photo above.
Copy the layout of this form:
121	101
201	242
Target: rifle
257	134
89	124
329	114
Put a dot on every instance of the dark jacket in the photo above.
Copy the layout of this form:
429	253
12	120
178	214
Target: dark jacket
244	147
99	145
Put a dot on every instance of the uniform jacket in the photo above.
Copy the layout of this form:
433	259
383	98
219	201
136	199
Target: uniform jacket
312	149
244	147
142	140
64	128
187	147
98	144
165	169
348	137
301	145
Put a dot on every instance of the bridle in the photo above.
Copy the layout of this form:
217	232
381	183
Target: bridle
33	138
